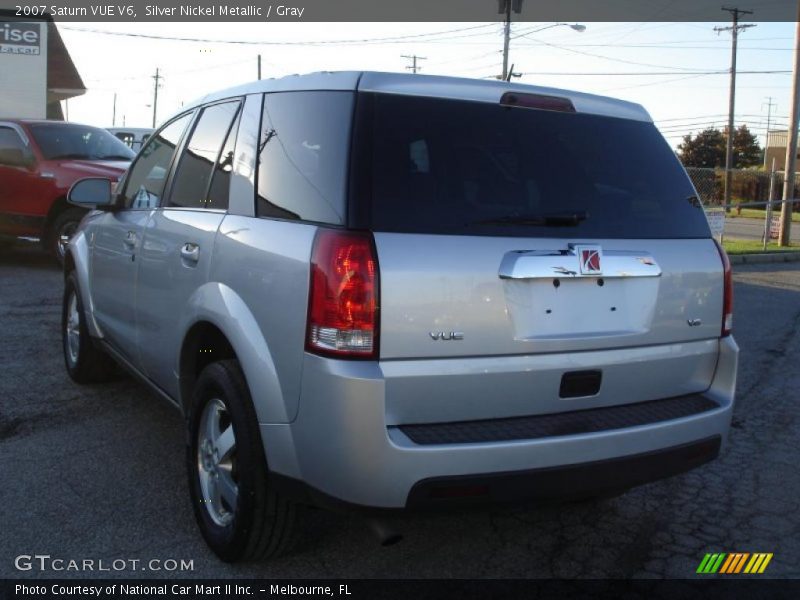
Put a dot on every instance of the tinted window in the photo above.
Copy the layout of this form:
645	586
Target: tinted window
303	155
10	140
65	140
200	155
125	138
146	179
446	166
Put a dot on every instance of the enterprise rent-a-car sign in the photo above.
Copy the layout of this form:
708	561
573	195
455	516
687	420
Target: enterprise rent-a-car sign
20	38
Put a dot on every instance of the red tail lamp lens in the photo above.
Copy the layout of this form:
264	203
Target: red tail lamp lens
343	300
727	298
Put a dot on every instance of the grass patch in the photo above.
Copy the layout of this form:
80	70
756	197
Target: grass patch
754	246
755	213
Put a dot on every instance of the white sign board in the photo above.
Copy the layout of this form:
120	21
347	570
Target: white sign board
775	227
23	69
20	38
716	220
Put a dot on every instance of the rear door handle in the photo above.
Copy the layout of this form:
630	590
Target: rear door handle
130	239
190	252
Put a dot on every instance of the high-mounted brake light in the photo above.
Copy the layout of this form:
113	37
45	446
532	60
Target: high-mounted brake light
727	298
343	297
539	101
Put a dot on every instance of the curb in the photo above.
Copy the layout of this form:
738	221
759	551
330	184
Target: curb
766	257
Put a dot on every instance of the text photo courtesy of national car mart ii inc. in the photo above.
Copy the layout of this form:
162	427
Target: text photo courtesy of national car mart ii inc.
184	590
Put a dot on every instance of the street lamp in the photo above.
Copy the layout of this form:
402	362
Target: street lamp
506	7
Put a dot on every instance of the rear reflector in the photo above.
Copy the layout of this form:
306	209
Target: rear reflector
343	295
727	298
537	101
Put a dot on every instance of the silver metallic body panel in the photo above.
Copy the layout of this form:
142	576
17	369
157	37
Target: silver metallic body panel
340	442
452	283
267	264
457	389
481	90
115	240
80	251
168	275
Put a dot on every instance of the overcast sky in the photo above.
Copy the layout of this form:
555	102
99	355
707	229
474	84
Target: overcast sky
660	65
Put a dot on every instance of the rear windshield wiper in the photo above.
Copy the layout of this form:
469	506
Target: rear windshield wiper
114	157
564	219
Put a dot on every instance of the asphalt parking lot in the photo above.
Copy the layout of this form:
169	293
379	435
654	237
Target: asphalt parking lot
98	472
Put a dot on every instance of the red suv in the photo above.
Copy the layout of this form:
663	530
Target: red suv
39	162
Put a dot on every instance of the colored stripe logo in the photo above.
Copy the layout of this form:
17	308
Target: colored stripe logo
734	563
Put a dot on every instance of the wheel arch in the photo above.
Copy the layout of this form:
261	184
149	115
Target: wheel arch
58	206
221	326
76	259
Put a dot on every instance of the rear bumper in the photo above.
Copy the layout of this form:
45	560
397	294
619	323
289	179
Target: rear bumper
564	482
342	447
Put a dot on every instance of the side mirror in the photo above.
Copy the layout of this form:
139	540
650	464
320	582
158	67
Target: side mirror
92	192
15	157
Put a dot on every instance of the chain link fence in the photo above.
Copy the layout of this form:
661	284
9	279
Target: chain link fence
751	188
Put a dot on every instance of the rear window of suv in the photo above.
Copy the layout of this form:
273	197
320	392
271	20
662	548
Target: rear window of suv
430	165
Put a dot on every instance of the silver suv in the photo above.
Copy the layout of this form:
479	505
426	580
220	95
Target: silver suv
383	291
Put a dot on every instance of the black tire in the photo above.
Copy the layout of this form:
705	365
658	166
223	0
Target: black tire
64	224
261	522
86	363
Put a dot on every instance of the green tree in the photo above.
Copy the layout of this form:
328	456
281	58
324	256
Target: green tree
707	148
746	150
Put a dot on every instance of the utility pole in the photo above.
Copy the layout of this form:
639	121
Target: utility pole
156	78
66	108
114	112
791	146
259	67
734	29
769	104
506	6
414	58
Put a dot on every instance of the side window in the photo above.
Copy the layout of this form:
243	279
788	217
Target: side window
126	138
303	155
12	148
200	156
10	140
146	179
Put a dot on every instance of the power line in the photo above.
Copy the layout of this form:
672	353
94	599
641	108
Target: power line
610	58
692	117
653	73
280	43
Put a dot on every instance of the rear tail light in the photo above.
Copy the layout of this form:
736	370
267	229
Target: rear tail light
727	298
343	296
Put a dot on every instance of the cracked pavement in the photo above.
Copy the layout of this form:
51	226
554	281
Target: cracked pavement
98	473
